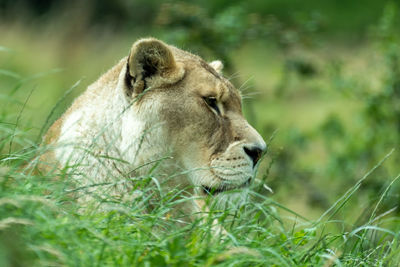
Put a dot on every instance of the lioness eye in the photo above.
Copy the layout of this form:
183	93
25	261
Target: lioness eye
212	103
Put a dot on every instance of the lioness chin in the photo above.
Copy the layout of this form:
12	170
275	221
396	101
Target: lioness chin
158	101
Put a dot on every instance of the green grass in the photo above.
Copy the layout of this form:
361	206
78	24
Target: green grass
40	226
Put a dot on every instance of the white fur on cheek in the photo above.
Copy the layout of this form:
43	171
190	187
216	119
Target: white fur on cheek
233	165
230	169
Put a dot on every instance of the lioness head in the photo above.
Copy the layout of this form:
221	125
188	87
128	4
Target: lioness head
199	111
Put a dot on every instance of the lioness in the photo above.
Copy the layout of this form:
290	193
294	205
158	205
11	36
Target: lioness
159	101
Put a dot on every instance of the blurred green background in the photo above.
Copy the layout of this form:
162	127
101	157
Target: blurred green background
320	79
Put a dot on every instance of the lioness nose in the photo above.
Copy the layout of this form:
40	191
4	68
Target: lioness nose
254	152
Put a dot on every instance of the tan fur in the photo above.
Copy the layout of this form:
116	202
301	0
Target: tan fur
156	103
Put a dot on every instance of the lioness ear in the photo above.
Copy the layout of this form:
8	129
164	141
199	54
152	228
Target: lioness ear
217	66
151	64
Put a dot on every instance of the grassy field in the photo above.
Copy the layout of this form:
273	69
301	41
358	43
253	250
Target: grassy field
330	113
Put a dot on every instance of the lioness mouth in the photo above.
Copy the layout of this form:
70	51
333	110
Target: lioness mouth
214	191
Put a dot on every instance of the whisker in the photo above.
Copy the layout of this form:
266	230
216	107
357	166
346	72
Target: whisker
233	76
242	88
250	95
